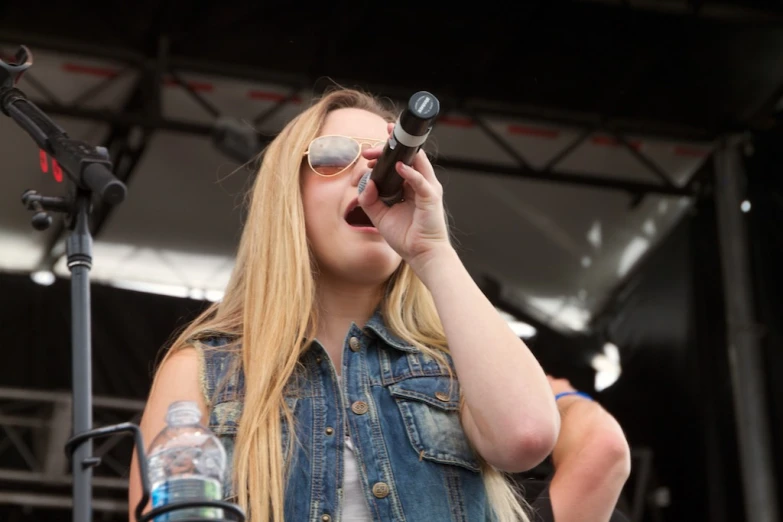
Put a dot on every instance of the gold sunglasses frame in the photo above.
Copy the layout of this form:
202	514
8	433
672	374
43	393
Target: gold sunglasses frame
359	141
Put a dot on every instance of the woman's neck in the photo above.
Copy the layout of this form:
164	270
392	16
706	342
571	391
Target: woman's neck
339	305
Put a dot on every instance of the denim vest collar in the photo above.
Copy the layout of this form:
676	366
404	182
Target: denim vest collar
378	326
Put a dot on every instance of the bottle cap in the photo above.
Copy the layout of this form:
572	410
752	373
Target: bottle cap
183	412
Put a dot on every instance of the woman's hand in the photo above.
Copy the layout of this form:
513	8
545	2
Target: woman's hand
416	227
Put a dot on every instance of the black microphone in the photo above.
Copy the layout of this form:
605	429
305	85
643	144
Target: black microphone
409	134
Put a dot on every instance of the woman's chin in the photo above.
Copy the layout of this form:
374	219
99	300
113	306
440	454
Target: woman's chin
374	267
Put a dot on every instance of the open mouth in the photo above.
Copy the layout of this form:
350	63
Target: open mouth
357	218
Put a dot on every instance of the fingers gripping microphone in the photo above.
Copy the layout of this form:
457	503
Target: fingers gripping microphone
409	134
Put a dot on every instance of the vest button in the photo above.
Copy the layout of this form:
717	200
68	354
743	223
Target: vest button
360	407
353	342
326	518
442	396
381	490
329	430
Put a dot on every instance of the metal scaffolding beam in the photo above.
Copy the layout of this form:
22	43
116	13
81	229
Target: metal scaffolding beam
149	117
34	427
522	172
39	500
744	348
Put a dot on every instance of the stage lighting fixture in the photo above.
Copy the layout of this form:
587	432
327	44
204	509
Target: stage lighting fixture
607	367
43	277
520	328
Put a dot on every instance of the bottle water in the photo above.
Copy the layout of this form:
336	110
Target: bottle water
186	462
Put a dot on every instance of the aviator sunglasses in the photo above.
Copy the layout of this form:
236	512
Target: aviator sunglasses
332	155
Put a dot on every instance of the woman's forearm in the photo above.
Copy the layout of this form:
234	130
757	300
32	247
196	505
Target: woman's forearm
511	416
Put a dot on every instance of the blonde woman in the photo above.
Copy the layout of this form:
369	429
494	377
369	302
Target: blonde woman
354	371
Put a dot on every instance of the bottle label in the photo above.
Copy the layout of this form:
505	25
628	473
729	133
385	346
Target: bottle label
177	489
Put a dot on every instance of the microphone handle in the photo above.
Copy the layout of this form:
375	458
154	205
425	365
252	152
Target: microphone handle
385	174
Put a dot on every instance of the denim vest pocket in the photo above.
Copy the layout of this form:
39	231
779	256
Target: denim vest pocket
430	411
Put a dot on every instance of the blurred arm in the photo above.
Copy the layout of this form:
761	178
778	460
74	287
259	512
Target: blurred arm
592	460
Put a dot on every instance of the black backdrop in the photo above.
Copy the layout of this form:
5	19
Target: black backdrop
674	395
129	331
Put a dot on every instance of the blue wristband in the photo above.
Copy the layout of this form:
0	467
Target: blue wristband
580	394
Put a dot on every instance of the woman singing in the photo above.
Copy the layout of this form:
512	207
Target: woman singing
354	371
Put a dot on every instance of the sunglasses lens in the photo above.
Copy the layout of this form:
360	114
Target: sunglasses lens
331	154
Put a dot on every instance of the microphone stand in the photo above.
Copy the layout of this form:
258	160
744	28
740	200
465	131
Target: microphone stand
88	174
89	178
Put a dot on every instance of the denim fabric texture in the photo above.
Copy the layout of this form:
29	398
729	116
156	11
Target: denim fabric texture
401	412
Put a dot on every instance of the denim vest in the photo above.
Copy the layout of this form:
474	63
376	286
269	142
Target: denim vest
401	413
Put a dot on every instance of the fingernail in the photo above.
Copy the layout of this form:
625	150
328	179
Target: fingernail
363	181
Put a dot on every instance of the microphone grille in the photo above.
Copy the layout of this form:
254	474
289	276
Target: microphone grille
363	182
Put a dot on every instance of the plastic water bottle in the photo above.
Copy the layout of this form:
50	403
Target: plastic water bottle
186	462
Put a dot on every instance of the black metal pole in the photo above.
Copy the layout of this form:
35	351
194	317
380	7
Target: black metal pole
79	252
750	404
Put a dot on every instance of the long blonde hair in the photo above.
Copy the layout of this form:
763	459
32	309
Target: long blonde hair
269	308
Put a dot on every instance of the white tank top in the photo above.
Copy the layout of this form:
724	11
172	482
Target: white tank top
354	506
